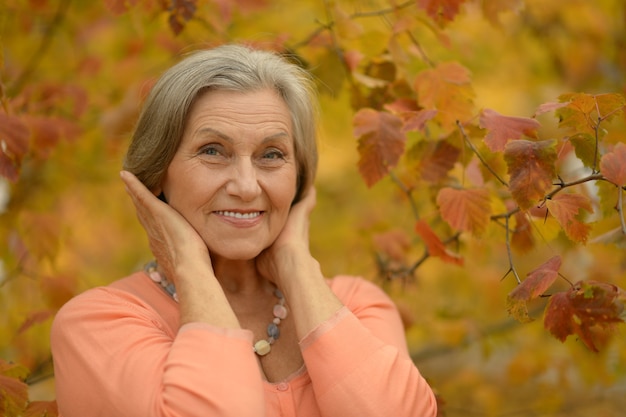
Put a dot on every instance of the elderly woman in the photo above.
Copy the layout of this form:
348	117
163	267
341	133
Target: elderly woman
234	317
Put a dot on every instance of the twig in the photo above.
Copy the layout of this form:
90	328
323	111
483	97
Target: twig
46	41
473	148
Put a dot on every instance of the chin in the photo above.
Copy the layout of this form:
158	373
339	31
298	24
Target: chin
236	254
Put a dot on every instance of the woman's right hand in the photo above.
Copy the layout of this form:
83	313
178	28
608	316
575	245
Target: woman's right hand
172	239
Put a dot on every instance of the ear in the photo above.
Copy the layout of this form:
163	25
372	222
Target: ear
161	197
160	194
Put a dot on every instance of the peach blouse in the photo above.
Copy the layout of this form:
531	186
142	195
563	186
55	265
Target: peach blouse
119	352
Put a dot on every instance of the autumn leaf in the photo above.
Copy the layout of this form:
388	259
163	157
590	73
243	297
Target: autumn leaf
584	111
493	8
531	168
403	105
47	132
380	143
465	210
447	89
548	107
585	148
41	409
434	245
14	137
433	160
441	11
587	305
522	235
535	284
501	129
566	208
393	243
181	11
119	7
35	317
613	165
416	121
13	390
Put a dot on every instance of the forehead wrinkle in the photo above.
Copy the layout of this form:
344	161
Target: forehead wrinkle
204	131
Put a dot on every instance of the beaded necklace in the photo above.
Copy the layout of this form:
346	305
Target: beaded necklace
261	347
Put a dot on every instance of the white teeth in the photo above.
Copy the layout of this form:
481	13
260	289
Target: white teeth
239	215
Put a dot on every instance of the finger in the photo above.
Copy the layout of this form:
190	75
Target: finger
308	200
134	187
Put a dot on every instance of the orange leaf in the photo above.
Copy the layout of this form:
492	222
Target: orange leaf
393	243
565	208
501	128
535	284
465	210
434	159
434	245
522	236
48	131
35	318
41	409
584	110
531	167
14	137
119	7
447	89
441	11
613	165
13	396
381	143
417	120
587	305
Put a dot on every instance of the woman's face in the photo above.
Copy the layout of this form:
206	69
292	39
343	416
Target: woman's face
234	174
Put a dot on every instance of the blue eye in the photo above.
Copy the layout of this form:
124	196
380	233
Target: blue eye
273	154
211	150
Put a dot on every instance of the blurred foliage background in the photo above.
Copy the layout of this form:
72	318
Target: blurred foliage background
75	71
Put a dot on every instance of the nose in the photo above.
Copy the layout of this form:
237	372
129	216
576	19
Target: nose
244	182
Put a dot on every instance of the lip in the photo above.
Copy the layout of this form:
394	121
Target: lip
240	218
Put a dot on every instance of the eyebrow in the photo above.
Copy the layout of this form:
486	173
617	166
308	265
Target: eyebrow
211	131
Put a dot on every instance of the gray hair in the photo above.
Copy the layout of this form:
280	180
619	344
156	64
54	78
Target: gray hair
161	124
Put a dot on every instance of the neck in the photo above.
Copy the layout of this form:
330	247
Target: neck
238	277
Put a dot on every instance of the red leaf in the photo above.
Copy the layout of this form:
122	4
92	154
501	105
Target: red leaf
465	210
35	318
434	245
565	208
181	11
502	129
48	131
13	396
402	106
441	11
381	143
41	409
446	88
14	136
582	309
119	7
548	107
583	111
522	237
416	121
535	284
531	167
393	243
613	165
434	159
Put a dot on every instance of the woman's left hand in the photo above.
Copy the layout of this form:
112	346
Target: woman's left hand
292	244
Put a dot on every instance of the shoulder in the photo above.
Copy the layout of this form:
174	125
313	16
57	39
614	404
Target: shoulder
132	296
357	292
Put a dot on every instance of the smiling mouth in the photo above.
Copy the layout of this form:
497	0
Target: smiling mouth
235	215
